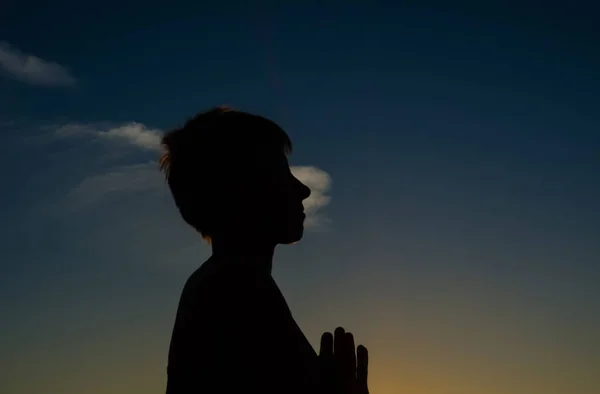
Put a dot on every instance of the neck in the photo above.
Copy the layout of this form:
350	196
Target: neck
259	255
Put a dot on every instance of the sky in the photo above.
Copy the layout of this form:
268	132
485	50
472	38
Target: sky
453	153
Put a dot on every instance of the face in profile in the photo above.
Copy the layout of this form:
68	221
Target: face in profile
272	201
288	210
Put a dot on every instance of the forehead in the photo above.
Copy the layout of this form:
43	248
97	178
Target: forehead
264	161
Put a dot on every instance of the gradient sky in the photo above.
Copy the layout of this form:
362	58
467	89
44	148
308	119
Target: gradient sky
454	151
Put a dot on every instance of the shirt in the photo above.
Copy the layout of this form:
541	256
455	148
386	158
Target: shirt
234	333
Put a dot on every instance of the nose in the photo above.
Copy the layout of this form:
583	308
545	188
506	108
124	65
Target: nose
303	190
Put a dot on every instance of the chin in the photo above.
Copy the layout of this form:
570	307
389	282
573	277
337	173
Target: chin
292	237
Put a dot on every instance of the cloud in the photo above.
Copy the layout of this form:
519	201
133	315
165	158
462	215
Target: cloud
32	69
134	134
145	178
319	183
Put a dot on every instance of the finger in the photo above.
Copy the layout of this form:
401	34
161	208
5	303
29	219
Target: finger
326	362
338	358
338	341
326	349
349	356
362	368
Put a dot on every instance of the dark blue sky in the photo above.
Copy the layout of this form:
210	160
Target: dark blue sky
462	144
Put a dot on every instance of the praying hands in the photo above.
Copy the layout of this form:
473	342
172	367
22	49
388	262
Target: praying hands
343	367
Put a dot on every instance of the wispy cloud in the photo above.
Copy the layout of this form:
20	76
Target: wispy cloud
134	134
32	69
145	177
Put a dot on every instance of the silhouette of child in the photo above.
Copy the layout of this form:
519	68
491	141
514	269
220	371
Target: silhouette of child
230	179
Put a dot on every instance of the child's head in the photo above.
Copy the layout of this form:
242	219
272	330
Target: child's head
229	176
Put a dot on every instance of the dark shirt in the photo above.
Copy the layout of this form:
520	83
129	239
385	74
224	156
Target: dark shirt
235	333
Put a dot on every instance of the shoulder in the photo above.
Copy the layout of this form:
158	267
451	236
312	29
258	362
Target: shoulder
194	284
226	286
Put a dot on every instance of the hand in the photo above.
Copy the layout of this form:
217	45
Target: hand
343	371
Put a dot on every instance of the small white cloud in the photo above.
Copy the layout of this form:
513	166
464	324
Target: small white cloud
319	183
32	69
134	134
